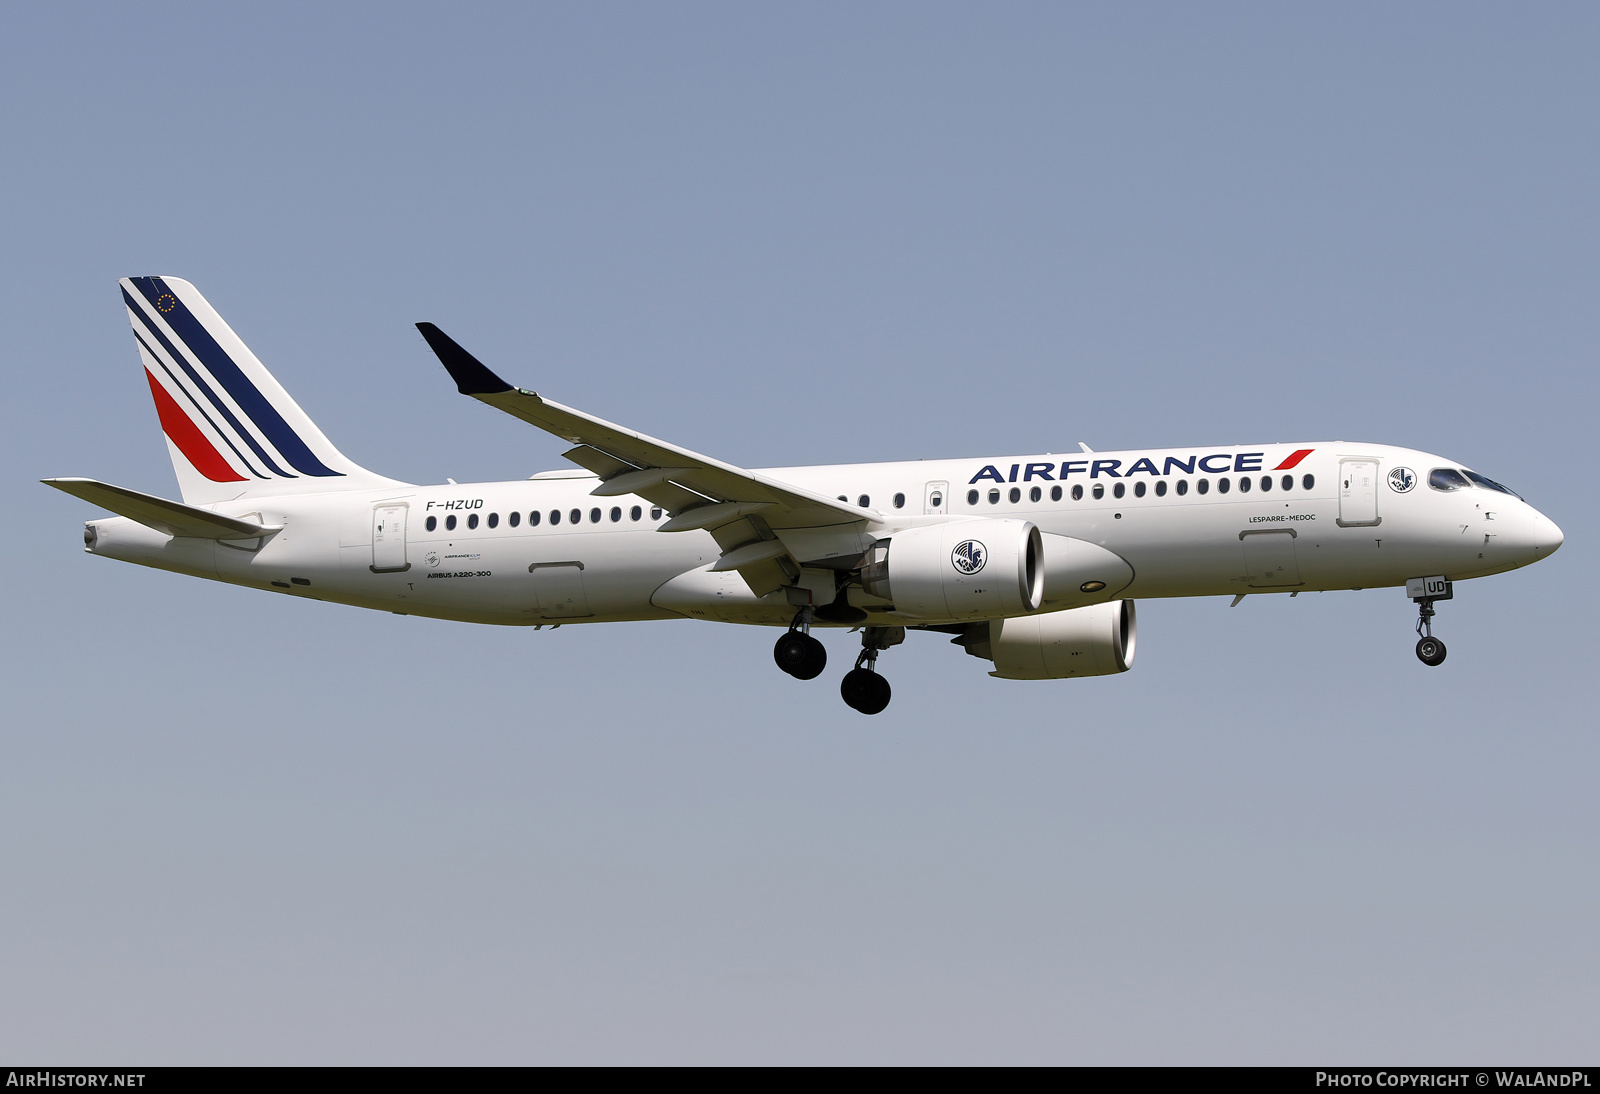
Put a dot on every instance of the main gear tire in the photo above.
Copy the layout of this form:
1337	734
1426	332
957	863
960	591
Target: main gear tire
800	655
865	690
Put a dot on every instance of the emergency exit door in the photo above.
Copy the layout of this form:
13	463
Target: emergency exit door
936	498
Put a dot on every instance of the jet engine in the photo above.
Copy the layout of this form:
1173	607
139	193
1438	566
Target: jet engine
1077	572
969	569
1094	641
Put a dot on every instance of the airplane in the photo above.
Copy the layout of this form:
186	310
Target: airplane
1032	563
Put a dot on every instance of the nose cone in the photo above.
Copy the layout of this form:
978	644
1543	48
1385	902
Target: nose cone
1548	537
1536	536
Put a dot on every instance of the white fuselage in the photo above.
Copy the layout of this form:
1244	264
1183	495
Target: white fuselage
1332	534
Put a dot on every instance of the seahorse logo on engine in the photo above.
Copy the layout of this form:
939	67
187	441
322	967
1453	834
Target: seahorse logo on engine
969	556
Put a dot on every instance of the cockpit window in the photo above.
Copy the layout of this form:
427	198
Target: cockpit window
1446	478
1489	483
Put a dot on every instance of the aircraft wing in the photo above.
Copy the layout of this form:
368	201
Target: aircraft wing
632	463
738	507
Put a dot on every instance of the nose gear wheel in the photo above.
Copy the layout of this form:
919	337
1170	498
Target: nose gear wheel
1430	650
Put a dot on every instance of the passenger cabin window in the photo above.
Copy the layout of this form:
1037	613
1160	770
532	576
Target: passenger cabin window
1035	494
1244	485
1203	486
1118	490
1015	495
1138	489
472	521
450	523
1307	482
514	519
575	517
616	513
1055	493
1161	488
1266	483
1077	491
994	497
1099	491
1223	485
594	516
864	502
655	512
533	519
1288	482
555	516
1183	487
433	522
972	497
635	513
494	520
899	501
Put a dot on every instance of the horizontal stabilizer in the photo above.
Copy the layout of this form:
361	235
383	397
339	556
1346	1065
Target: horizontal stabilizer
171	517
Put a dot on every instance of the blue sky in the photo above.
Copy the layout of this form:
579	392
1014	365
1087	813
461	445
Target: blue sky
239	828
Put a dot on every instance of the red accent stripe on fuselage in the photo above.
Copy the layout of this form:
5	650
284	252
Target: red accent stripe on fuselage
1289	463
187	436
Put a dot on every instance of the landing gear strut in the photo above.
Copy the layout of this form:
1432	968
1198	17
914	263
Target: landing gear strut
797	653
862	688
1430	651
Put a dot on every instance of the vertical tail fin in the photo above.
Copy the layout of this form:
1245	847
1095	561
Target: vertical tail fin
232	430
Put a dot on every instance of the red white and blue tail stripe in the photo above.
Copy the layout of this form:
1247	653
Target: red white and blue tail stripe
232	429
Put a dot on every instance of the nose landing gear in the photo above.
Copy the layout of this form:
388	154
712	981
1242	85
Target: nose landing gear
862	688
1430	650
797	653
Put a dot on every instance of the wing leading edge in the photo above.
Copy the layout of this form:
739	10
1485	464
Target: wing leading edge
739	508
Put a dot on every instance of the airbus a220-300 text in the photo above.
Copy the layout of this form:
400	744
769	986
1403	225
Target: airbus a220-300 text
1030	562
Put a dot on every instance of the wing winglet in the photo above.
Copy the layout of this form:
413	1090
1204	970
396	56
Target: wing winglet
471	375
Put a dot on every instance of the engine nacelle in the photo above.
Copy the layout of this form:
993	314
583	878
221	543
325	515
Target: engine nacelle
1077	572
969	569
1094	641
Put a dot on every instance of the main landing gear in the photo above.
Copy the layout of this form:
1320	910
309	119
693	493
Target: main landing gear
804	658
1430	650
862	688
797	653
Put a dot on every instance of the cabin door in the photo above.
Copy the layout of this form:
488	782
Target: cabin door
1358	493
389	539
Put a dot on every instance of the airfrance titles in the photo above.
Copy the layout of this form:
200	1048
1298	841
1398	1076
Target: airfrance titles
1216	463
